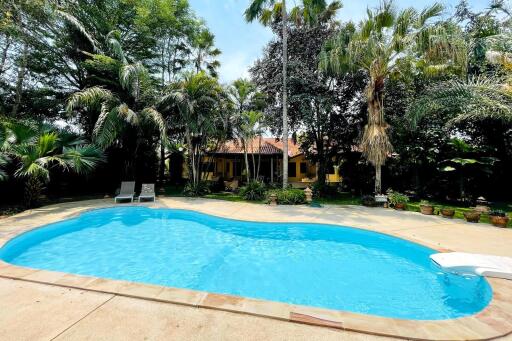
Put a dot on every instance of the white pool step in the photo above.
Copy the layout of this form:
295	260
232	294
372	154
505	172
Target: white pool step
474	264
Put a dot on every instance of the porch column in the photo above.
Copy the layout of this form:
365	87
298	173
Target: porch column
271	169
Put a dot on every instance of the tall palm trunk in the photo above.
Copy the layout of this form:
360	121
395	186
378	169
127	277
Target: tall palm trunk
161	170
254	176
285	95
375	144
19	81
191	155
246	158
259	158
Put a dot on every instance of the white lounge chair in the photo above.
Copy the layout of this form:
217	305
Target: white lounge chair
147	192
127	191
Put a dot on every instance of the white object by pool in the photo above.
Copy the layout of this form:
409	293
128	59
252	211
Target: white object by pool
474	264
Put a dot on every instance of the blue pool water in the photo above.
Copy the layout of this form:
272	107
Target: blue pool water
310	264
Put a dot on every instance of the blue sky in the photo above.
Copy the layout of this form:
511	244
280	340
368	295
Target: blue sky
242	43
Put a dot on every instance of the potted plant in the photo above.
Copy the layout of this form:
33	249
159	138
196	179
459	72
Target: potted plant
398	200
447	212
499	218
472	216
426	207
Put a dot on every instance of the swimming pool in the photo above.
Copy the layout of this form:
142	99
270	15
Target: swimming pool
309	264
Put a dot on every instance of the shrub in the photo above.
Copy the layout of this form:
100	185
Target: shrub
425	203
397	198
253	191
196	190
368	200
289	196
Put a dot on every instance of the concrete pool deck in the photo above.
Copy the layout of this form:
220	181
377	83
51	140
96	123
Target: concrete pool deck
37	304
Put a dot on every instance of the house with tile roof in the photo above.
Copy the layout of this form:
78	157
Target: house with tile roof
227	162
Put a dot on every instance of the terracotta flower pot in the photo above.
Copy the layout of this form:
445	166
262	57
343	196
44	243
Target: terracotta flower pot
400	206
499	221
472	216
427	209
447	212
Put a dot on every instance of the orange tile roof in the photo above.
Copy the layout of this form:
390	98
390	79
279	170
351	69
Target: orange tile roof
269	146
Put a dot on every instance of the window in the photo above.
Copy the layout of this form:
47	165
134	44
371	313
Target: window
303	168
292	170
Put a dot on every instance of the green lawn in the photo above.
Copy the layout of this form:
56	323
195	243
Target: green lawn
349	199
227	196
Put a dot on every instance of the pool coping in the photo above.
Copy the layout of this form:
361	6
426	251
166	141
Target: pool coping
492	322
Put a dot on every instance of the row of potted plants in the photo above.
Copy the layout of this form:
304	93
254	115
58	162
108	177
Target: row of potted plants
399	201
498	218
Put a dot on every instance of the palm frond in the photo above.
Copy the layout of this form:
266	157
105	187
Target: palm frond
82	159
113	39
88	98
155	117
130	77
430	12
78	25
256	9
476	99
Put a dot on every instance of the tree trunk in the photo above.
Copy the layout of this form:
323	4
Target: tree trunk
246	158
285	96
259	158
161	172
378	179
19	82
4	54
191	153
254	176
32	192
375	144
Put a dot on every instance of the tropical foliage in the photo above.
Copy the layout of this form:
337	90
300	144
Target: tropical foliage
388	42
130	90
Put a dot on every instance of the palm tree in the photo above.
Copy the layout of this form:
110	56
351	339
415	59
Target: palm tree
268	11
247	129
125	108
115	113
37	151
195	98
244	97
384	42
205	53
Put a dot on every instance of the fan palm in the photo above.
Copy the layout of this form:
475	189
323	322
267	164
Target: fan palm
37	151
384	42
268	11
195	98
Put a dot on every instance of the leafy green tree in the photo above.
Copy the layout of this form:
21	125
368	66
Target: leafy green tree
196	101
271	11
324	109
387	42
